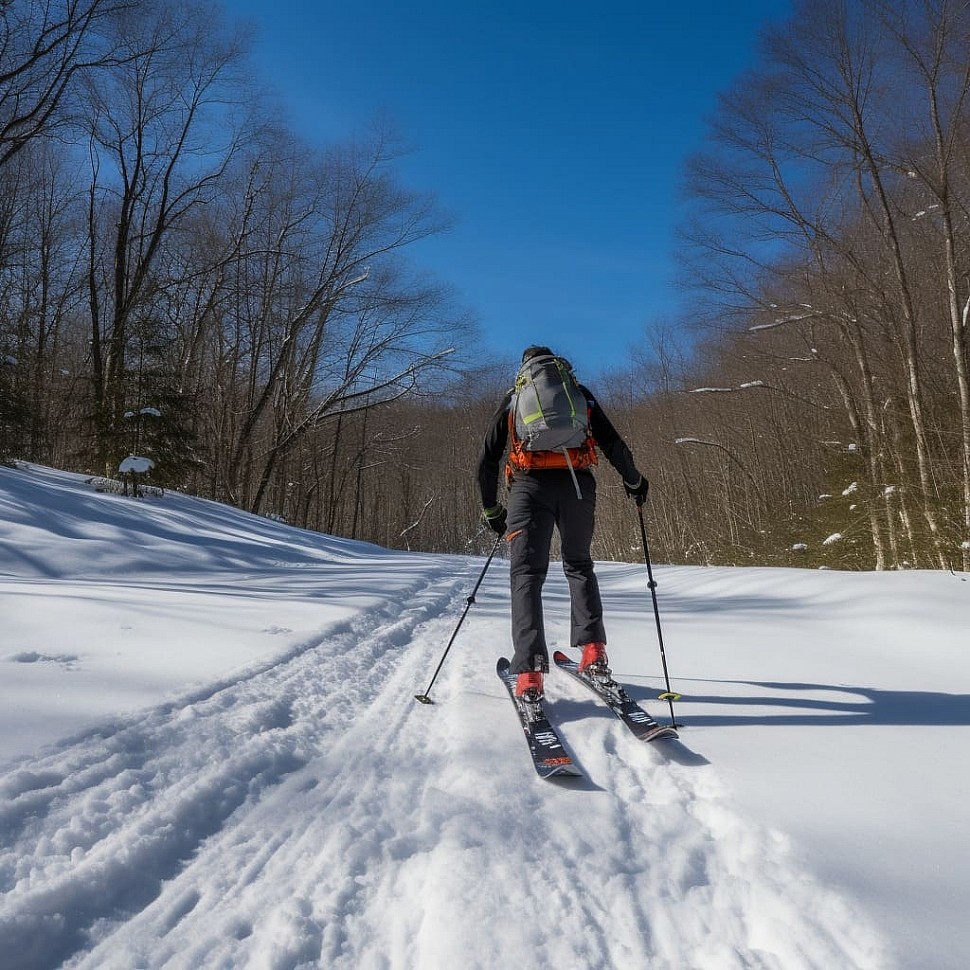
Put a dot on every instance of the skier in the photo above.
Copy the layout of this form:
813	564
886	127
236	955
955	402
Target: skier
546	490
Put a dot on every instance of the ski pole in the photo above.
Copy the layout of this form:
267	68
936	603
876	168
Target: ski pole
669	696
425	698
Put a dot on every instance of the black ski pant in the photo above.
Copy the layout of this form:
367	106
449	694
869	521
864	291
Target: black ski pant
538	503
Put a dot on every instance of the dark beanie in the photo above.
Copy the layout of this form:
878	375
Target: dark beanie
536	351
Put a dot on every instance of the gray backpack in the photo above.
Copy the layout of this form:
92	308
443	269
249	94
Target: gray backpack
550	410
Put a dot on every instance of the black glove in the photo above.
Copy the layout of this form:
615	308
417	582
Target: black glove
495	518
638	491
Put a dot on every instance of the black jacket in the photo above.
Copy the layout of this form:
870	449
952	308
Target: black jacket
605	436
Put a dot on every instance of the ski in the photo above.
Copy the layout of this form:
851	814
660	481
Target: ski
550	758
619	702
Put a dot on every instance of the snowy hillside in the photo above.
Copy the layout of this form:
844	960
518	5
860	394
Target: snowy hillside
211	756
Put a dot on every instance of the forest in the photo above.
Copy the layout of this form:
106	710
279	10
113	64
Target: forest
185	279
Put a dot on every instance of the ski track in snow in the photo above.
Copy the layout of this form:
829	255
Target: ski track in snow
238	829
106	826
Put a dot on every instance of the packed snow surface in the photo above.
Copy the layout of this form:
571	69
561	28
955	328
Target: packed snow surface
211	757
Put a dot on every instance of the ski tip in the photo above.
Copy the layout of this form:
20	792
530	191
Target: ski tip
560	763
423	698
559	656
558	766
561	773
502	665
669	695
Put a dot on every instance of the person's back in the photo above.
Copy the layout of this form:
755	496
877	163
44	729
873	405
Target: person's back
550	488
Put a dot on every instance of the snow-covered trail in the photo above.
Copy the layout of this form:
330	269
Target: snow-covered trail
102	824
310	814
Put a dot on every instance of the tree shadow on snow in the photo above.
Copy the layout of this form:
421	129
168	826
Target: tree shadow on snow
780	703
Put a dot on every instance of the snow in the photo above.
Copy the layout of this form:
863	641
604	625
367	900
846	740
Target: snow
133	463
211	756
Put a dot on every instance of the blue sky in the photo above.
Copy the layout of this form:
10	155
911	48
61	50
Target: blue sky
554	133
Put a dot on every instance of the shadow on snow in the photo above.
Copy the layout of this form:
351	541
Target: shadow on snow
781	704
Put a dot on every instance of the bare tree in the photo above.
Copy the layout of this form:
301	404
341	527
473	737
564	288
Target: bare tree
332	321
40	282
161	130
810	221
931	38
44	49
